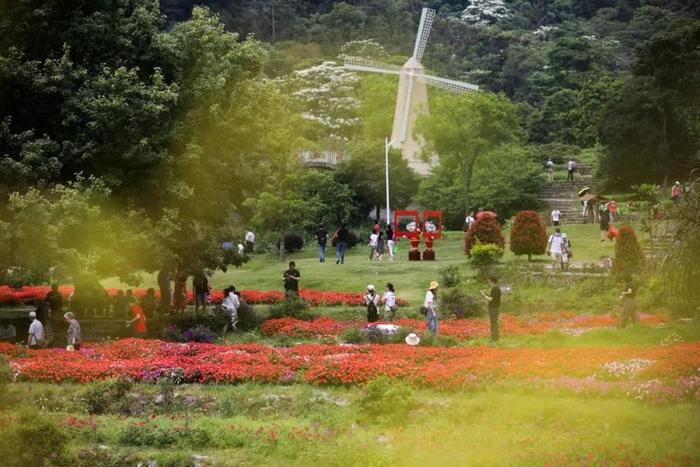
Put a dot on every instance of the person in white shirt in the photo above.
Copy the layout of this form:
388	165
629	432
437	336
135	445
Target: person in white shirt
249	242
389	300
469	221
550	169
430	306
36	336
571	166
556	216
555	247
230	305
373	239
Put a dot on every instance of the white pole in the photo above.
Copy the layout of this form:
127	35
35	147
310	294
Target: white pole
386	172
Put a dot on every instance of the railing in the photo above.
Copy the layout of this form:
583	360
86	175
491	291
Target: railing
323	159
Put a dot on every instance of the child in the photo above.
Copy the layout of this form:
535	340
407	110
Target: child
372	302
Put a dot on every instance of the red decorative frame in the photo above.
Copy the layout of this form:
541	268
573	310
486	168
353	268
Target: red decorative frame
434	216
402	232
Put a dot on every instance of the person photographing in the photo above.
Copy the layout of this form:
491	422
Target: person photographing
493	297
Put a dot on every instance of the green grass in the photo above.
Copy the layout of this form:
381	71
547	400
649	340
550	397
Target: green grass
485	426
264	271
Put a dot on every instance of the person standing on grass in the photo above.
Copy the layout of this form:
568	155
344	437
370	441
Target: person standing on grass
468	221
138	321
321	239
36	337
604	222
566	253
164	286
431	307
494	300
380	246
8	333
390	241
249	242
372	303
612	209
55	300
555	247
373	238
676	192
389	300
73	335
571	166
291	278
230	305
200	286
341	237
556	216
550	169
149	304
180	291
629	305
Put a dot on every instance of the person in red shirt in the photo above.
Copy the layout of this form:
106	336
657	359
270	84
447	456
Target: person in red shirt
138	321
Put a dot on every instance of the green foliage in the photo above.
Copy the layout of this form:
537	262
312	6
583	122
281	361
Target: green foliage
354	335
386	401
483	255
292	308
19	446
528	235
486	231
629	257
105	396
460	302
451	276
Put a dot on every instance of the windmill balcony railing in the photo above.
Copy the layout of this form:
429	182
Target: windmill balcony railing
327	159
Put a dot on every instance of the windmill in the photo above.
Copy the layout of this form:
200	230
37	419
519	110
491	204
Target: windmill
412	94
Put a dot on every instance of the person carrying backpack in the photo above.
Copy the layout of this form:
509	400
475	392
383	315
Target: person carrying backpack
372	302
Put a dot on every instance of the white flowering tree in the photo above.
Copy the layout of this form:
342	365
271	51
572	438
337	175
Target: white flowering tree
325	97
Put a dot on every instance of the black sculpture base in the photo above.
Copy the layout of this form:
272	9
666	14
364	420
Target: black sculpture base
414	255
429	255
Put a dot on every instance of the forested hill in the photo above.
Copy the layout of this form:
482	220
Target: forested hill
572	64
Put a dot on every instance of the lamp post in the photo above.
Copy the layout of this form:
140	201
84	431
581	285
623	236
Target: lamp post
387	145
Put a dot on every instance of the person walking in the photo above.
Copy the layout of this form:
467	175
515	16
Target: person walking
230	305
372	303
36	338
612	209
550	169
389	300
431	307
604	222
55	300
494	301
469	220
571	166
200	286
180	291
73	335
321	239
341	237
556	217
555	248
380	246
249	242
137	323
373	238
291	278
390	241
566	253
629	305
164	286
676	192
149	304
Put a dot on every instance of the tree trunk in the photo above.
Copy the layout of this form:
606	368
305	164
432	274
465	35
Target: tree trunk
529	257
282	247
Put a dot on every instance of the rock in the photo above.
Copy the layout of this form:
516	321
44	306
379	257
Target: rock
199	460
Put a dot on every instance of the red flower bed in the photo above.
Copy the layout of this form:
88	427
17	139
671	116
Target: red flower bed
145	360
313	297
463	329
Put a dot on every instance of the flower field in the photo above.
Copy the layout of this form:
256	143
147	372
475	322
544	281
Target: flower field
145	360
313	297
461	329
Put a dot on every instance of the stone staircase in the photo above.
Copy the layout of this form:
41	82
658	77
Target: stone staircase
564	196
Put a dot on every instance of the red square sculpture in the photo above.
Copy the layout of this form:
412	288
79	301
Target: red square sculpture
407	224
432	224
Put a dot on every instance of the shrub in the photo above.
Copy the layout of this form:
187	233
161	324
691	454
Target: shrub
188	320
451	276
292	243
484	255
629	257
354	336
486	230
248	318
296	308
528	236
105	396
198	333
33	439
353	239
386	401
458	303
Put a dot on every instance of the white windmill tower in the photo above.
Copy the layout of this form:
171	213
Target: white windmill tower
412	95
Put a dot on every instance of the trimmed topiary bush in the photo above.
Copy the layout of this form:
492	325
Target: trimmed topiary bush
629	257
292	243
485	230
484	256
528	236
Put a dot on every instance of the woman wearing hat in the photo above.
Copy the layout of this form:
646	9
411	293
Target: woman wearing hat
372	302
430	305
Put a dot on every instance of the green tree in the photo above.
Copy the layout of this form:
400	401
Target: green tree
528	235
629	257
463	129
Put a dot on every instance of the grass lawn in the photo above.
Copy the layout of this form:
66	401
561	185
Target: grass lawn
264	271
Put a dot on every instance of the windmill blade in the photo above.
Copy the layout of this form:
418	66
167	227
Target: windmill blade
426	22
363	64
448	84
